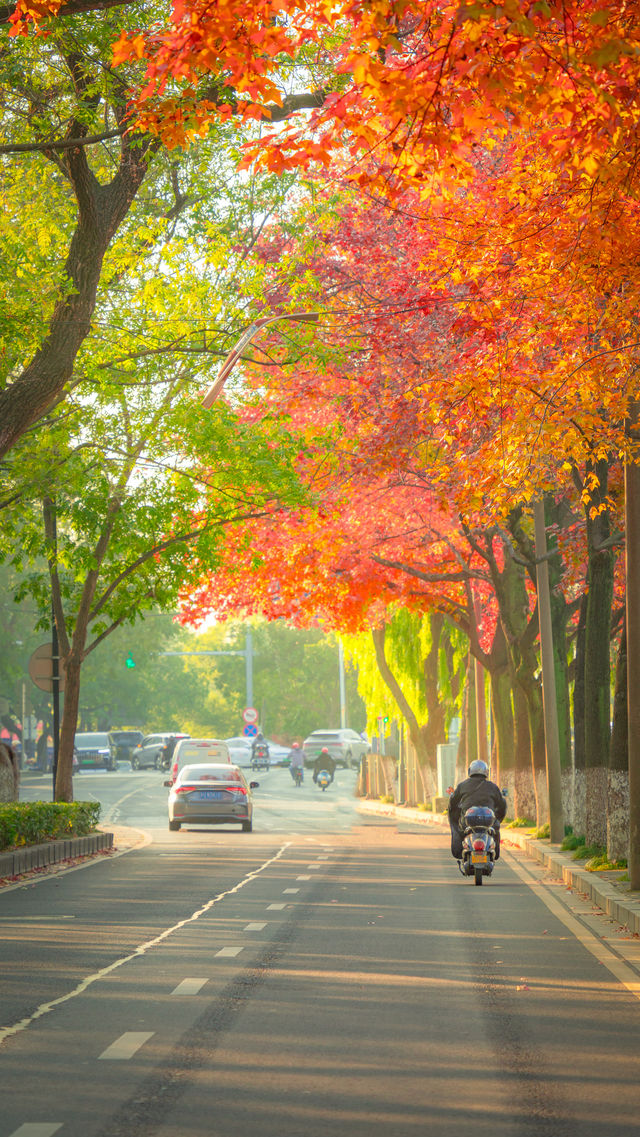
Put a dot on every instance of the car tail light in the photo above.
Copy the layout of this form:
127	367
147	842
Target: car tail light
239	790
184	789
174	772
478	845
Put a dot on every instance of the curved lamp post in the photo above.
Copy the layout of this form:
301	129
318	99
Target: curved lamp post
215	390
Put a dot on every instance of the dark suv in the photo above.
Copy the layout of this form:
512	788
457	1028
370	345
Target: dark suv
126	742
95	751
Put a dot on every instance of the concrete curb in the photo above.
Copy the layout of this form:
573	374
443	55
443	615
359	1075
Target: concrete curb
614	899
18	861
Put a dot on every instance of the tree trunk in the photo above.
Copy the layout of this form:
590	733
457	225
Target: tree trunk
597	674
579	815
618	782
101	210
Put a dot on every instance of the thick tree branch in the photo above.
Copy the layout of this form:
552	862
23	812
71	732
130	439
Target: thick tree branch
61	143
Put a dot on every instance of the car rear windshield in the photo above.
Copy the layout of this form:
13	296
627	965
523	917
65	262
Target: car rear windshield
200	751
126	735
209	774
332	735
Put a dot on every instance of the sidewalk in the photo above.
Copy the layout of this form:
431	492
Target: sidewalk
605	889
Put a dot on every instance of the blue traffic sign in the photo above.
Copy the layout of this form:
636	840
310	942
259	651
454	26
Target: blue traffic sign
250	730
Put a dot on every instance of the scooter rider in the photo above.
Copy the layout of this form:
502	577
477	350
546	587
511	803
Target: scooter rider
296	760
475	790
324	761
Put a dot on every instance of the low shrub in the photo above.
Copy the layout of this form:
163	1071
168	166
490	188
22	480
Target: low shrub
587	852
386	799
34	822
425	806
519	823
543	833
601	863
572	842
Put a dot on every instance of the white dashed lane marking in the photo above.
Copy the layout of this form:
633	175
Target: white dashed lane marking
229	952
275	907
189	986
37	1129
303	878
127	1045
255	927
285	890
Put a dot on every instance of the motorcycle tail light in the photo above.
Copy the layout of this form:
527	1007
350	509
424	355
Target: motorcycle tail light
478	845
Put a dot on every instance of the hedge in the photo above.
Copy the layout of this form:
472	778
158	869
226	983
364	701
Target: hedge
34	822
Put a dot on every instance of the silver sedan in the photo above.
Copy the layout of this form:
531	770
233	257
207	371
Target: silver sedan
211	794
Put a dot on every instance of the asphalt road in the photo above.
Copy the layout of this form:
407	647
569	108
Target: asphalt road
327	974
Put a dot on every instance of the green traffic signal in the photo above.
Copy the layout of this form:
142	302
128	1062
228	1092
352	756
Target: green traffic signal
130	661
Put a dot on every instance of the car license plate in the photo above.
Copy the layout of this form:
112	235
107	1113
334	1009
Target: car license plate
209	795
479	858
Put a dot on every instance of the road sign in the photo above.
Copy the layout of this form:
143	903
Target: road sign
41	669
250	714
250	730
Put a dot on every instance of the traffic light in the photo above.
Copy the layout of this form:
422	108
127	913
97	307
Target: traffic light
130	661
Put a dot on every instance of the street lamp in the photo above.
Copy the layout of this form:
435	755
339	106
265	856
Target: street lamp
229	363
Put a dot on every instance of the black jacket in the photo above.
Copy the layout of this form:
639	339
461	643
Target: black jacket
476	790
324	762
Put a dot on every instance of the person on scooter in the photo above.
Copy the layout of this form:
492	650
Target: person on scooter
296	761
474	790
324	761
259	750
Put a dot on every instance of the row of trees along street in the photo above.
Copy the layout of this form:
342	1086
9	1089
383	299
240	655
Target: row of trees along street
463	237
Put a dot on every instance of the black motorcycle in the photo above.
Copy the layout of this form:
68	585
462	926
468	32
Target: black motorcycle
478	842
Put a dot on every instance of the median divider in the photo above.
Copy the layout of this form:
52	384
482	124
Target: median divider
605	889
14	862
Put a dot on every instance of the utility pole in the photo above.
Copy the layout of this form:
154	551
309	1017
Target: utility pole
632	581
247	652
343	693
549	698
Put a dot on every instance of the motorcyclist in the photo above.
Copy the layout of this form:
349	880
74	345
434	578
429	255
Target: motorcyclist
296	760
259	749
476	789
324	761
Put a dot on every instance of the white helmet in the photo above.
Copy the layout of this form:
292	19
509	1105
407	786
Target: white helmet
479	767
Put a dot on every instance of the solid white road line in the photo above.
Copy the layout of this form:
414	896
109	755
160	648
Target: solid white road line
229	952
275	907
622	972
37	1129
127	1045
45	1008
285	890
255	927
189	986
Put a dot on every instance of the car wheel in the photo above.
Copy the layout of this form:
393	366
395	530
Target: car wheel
348	760
135	763
174	826
247	826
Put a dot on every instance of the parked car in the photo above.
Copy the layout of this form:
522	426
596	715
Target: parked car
194	751
126	742
211	794
150	752
95	751
345	745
